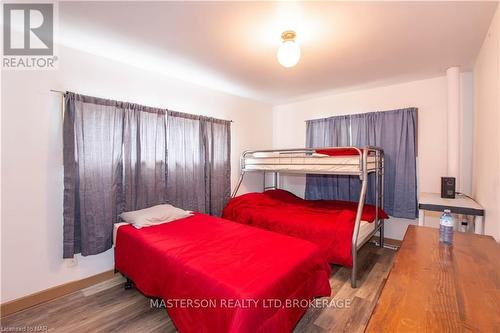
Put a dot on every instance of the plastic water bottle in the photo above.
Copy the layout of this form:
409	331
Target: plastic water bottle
446	224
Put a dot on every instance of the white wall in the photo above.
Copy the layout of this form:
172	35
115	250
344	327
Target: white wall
430	96
486	169
32	172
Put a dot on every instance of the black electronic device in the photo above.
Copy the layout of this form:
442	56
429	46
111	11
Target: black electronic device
448	187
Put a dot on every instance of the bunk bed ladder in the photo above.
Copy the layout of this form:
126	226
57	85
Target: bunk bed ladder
238	184
380	193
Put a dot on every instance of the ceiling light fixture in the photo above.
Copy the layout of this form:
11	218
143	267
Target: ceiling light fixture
289	51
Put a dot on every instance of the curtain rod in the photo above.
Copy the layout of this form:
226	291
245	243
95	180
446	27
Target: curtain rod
63	92
57	91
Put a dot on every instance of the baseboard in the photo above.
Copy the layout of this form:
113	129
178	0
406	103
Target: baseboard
25	302
389	241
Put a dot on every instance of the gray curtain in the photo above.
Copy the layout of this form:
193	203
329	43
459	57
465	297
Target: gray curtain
93	139
198	162
145	157
117	157
114	160
186	177
396	132
329	132
217	151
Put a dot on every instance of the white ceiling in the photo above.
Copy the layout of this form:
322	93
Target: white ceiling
232	46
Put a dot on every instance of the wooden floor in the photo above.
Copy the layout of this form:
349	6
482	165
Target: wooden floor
107	307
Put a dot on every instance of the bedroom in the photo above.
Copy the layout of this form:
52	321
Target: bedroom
215	75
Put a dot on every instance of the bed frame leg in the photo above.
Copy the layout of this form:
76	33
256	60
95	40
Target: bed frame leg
354	281
381	235
128	285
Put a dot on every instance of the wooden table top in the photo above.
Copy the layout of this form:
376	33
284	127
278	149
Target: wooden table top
437	288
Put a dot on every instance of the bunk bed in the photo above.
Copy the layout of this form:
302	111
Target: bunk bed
352	161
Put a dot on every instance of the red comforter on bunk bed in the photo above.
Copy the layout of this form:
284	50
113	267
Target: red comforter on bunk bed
218	276
327	223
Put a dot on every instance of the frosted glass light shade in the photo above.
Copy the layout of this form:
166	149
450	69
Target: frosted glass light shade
288	54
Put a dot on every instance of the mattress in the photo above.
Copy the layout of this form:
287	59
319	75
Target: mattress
115	230
306	162
365	228
236	278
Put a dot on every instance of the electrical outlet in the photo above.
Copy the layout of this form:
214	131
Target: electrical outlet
71	262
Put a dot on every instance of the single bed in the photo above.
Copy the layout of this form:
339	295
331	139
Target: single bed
327	223
214	263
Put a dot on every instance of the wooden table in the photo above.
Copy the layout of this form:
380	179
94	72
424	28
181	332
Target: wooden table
460	205
437	288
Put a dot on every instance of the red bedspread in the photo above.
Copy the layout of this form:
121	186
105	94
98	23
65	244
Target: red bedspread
327	223
231	271
349	151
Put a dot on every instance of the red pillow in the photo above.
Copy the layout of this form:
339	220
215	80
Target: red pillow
339	151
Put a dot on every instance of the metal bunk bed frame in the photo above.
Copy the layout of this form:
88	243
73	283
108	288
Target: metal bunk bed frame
362	172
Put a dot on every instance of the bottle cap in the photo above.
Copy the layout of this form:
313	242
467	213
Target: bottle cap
447	211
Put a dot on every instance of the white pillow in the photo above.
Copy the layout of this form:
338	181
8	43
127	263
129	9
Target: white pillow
154	215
